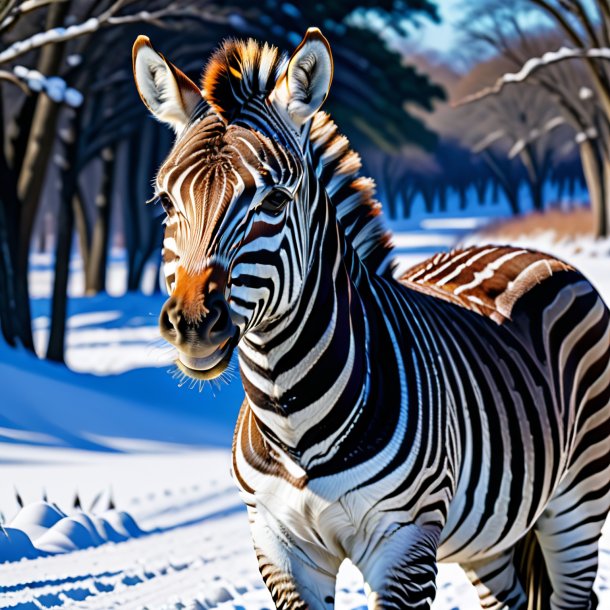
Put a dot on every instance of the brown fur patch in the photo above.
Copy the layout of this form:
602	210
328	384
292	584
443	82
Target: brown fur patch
488	280
192	289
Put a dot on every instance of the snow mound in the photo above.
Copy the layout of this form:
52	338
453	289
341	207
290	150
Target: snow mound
41	529
15	545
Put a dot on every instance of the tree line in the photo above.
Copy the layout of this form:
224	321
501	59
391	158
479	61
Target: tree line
528	108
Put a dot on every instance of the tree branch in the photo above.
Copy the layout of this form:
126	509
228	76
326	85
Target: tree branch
534	65
9	18
61	34
599	80
11	78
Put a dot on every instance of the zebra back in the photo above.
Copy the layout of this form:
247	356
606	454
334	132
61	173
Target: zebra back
489	280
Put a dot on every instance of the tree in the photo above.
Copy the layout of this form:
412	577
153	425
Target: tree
35	126
524	125
576	79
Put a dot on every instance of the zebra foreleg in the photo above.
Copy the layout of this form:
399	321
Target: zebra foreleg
401	570
298	576
497	583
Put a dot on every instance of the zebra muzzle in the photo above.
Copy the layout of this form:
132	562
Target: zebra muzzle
197	320
211	366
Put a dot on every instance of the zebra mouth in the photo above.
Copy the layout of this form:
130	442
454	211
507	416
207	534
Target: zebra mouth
211	366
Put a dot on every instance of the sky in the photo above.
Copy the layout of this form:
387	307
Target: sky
439	37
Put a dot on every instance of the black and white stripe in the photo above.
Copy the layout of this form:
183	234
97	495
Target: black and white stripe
460	413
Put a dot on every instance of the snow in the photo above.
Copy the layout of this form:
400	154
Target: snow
54	86
52	36
119	432
40	529
462	223
532	65
74	60
584	93
583	136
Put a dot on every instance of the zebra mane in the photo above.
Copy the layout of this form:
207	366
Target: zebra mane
353	196
240	71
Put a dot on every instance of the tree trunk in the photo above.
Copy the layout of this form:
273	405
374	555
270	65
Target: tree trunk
8	316
130	203
65	230
16	322
9	206
428	195
33	170
592	170
533	177
98	261
481	188
408	194
507	184
149	229
82	227
442	198
536	193
463	194
495	192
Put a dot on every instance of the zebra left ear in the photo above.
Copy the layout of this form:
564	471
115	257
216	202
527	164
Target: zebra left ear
303	87
167	92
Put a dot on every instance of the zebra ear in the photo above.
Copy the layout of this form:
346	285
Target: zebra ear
167	92
303	87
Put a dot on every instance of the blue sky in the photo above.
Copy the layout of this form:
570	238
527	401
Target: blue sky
442	36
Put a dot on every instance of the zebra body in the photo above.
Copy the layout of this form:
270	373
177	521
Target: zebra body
459	413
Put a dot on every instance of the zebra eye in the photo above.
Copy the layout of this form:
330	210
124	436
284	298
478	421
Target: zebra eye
167	204
275	201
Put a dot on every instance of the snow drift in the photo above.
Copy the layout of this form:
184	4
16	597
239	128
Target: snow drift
42	528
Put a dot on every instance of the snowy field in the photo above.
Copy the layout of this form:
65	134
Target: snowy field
125	476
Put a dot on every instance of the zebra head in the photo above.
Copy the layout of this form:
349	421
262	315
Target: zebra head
234	189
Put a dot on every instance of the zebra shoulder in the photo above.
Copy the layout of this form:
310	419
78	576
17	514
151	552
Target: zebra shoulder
488	280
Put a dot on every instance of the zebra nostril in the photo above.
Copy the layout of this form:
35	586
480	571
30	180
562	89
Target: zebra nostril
165	322
170	318
220	323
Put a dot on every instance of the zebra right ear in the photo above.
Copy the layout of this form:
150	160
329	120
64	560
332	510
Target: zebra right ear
167	92
302	89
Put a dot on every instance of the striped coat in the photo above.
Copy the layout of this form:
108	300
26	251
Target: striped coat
458	413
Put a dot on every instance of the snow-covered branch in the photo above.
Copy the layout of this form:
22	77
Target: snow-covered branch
488	140
11	78
532	66
55	87
21	9
534	134
61	34
583	136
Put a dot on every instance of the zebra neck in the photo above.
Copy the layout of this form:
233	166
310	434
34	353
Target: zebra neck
310	369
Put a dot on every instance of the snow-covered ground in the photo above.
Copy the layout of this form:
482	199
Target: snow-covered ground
158	523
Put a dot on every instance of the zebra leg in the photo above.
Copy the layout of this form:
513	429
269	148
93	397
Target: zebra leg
497	583
299	577
400	572
568	532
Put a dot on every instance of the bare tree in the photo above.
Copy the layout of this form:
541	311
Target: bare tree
25	153
524	124
576	79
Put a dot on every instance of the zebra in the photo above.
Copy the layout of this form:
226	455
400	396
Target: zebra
458	412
